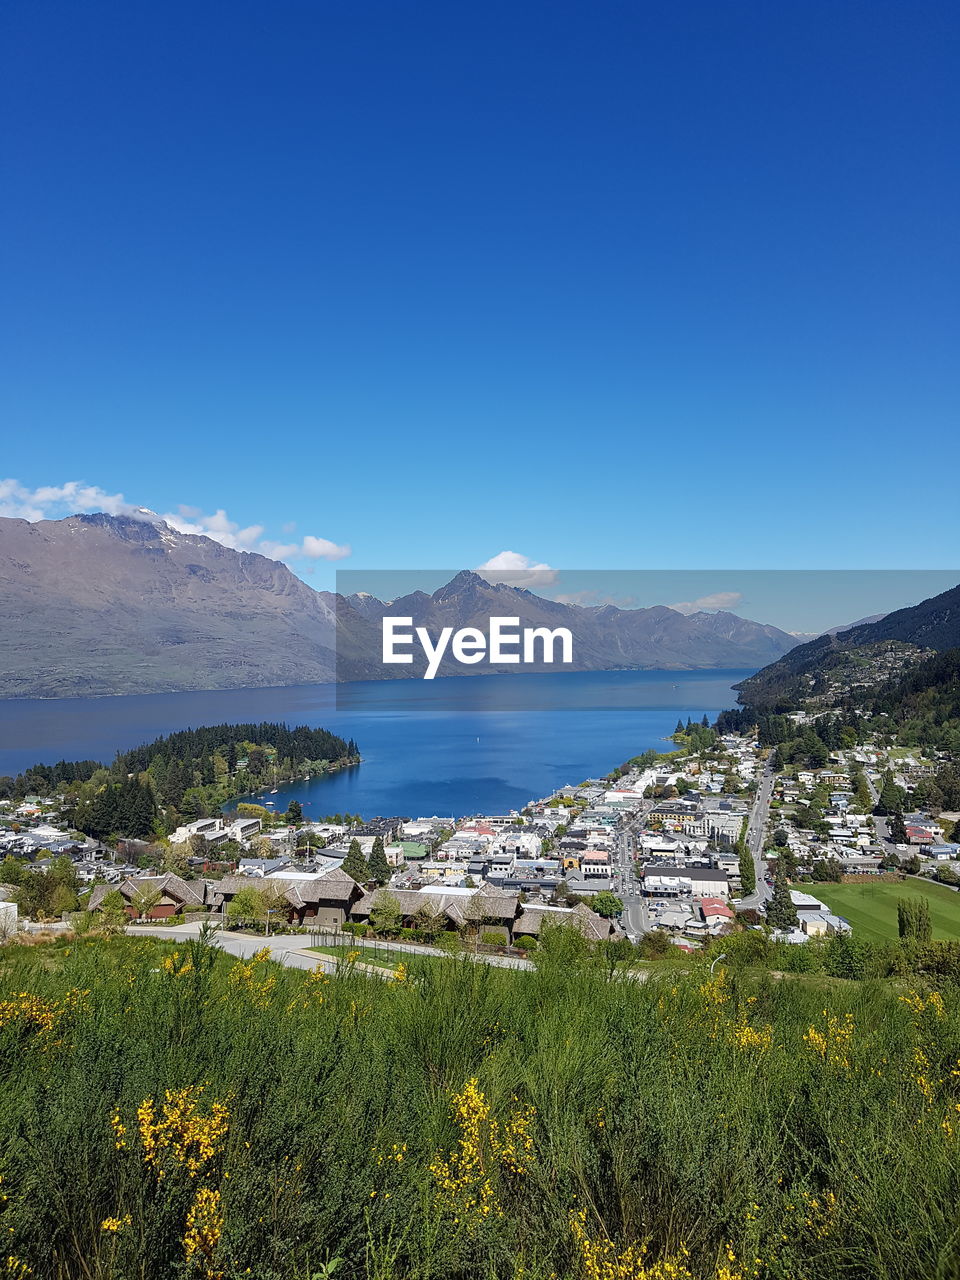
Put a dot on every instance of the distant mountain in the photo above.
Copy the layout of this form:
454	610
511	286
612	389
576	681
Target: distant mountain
97	604
604	637
933	624
860	622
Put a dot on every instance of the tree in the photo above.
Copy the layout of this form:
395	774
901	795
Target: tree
655	945
62	900
780	838
607	904
355	864
913	919
294	811
781	913
176	858
386	914
429	920
379	866
748	870
145	899
787	862
113	913
12	871
898	830
616	955
251	905
891	797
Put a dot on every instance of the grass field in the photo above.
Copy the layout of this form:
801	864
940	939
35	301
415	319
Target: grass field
871	907
384	957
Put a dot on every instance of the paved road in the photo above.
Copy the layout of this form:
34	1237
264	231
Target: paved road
756	829
881	825
291	949
634	919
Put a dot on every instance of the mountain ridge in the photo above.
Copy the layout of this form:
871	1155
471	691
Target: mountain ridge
96	605
931	625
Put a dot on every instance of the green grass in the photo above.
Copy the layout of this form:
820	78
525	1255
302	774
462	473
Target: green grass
384	957
371	1121
871	907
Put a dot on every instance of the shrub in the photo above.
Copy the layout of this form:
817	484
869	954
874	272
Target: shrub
167	1110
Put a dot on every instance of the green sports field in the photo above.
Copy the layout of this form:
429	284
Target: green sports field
871	907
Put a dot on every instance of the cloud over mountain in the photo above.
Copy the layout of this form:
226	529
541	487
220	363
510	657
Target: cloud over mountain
76	497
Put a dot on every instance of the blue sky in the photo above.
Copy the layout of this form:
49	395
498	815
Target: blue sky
395	285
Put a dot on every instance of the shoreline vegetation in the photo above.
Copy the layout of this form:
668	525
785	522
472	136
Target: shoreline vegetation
149	791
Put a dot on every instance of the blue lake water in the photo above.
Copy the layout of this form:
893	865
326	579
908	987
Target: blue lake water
448	747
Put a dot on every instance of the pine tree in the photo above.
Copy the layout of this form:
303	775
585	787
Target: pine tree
781	913
679	728
705	722
379	867
355	864
898	830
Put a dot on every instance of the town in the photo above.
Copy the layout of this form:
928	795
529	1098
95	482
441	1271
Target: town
670	850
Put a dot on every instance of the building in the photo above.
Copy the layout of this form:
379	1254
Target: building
168	895
672	881
324	899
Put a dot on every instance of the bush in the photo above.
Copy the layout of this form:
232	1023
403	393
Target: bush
525	942
578	1091
493	938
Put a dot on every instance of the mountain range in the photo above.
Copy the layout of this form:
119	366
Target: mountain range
96	605
932	625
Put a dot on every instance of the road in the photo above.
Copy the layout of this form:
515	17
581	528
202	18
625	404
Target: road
634	920
756	829
881	825
291	948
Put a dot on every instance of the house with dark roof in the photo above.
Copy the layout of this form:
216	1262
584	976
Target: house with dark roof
324	900
176	895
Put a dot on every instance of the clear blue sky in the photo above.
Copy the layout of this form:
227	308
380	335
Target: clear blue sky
624	285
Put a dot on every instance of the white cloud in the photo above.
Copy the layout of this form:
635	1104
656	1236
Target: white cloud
323	549
311	548
50	501
719	600
516	570
53	501
218	526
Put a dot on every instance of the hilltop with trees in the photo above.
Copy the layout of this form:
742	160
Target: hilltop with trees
150	790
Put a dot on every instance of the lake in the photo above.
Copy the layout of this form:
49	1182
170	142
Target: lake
466	744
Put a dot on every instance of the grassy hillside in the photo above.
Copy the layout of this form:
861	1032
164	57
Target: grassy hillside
180	1114
871	907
